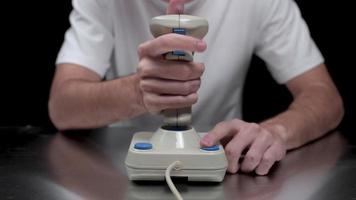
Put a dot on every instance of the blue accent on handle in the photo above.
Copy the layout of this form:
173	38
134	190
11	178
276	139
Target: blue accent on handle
181	31
212	148
178	53
143	146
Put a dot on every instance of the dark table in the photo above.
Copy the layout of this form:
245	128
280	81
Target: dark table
41	165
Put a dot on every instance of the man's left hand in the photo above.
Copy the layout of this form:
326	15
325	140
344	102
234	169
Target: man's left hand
263	147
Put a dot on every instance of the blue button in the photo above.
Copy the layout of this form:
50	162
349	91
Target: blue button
178	53
143	146
180	31
212	148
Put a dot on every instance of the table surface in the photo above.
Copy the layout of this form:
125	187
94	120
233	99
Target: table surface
90	165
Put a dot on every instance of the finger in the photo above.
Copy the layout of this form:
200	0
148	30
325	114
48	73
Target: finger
156	102
175	7
234	150
254	155
170	42
163	86
172	70
220	131
268	159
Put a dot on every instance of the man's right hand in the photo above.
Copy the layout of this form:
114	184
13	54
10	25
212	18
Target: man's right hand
168	84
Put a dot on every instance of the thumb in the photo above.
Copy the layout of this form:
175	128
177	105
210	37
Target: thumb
175	7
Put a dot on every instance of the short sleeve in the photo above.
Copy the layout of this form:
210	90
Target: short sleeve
284	41
89	41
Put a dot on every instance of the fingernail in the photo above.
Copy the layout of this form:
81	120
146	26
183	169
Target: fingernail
206	141
262	172
232	169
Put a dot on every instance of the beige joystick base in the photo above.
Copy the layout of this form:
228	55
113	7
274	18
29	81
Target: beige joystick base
150	154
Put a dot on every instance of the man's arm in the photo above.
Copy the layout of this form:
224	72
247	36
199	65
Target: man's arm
79	99
316	109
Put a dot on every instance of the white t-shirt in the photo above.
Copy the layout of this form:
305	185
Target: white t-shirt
105	34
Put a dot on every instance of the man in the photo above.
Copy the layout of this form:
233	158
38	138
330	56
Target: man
100	79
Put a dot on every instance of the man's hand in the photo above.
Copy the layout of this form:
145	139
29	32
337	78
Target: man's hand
169	84
263	147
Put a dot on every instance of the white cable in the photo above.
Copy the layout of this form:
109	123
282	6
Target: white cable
175	165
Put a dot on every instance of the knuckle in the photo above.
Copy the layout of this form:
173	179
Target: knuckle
236	121
144	72
281	153
254	126
233	168
268	159
187	88
191	87
200	69
251	157
143	68
194	98
262	172
198	82
195	85
221	125
140	67
230	151
266	136
280	156
141	49
188	100
145	86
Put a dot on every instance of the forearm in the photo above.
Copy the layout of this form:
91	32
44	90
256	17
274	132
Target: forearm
312	113
83	104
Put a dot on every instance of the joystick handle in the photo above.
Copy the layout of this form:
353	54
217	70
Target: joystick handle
186	25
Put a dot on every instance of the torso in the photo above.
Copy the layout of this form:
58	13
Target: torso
230	47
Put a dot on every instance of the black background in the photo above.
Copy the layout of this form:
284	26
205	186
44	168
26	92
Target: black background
33	32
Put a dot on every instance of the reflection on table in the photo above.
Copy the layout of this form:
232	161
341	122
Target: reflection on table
92	167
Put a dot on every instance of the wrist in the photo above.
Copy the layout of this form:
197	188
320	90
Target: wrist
128	98
276	129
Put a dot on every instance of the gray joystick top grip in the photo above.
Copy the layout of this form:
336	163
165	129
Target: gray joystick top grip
181	24
195	26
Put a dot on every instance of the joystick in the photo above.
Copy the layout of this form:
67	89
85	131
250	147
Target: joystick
175	146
